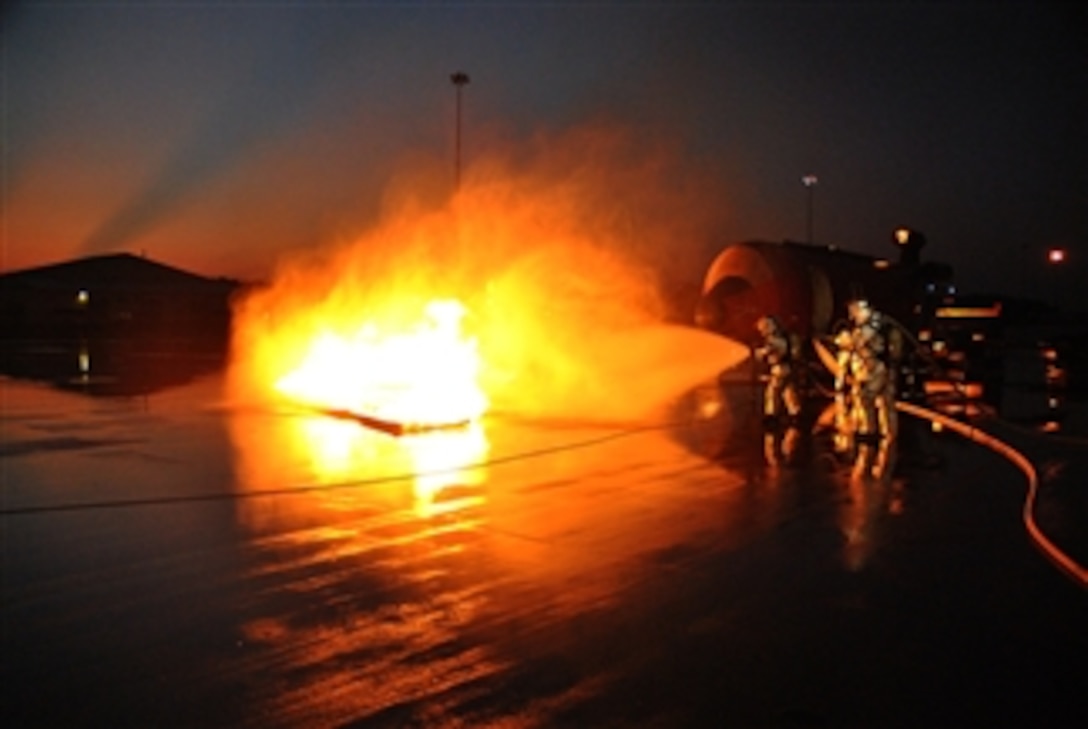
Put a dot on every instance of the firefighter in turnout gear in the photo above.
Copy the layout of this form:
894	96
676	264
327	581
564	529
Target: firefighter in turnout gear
869	373
777	354
844	403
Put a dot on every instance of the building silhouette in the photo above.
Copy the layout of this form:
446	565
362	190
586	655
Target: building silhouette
116	296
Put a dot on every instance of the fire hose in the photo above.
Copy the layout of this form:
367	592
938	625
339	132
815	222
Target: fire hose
1066	564
1077	572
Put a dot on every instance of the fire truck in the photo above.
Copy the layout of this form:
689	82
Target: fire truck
952	342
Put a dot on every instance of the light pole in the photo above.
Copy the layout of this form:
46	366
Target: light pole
1056	257
459	79
809	181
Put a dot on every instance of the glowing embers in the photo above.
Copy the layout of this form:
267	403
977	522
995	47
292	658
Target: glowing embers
420	378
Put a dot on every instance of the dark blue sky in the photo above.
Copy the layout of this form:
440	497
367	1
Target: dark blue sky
215	136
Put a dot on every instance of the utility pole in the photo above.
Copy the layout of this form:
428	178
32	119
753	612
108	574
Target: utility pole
809	181
459	79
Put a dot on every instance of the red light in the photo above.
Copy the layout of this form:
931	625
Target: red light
1056	255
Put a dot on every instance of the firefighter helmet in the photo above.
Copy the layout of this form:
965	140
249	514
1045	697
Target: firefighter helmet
767	325
859	311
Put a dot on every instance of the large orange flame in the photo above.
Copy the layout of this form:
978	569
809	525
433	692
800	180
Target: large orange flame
533	290
552	257
427	374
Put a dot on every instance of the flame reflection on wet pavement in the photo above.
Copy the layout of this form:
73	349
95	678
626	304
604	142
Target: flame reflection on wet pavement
411	581
534	572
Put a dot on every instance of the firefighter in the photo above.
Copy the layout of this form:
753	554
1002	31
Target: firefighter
845	420
778	356
872	394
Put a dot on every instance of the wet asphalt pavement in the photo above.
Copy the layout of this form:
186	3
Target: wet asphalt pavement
171	562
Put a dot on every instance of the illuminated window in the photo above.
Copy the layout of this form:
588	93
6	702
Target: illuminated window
83	297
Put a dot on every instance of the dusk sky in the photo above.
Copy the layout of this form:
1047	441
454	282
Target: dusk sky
216	136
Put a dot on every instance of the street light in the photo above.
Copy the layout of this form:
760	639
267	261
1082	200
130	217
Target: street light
910	243
1056	258
809	181
459	79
